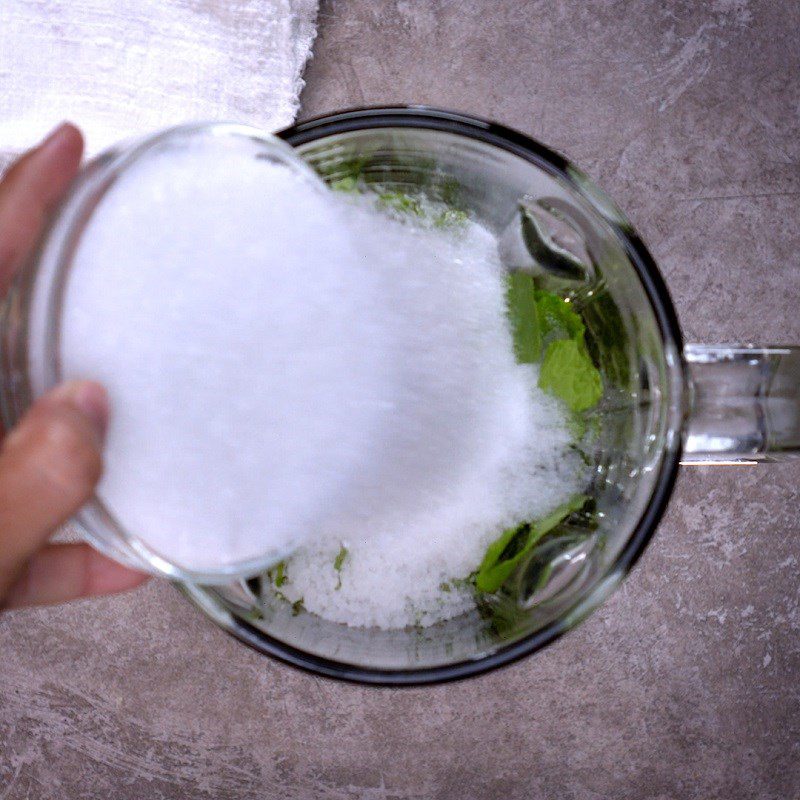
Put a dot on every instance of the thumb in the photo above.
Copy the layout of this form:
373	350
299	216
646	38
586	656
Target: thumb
50	464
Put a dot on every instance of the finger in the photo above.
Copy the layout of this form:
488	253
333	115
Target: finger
29	190
62	572
49	466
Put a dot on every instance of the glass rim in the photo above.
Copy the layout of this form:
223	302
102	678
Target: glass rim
523	146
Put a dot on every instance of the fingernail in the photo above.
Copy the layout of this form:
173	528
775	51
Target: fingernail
90	398
53	139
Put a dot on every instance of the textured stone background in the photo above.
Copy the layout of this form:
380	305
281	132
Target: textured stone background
687	684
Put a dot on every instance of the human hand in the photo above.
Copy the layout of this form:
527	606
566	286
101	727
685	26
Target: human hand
51	461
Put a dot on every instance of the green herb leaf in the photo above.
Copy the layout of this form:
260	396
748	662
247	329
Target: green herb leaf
544	322
557	318
524	317
504	554
297	607
493	569
400	201
338	563
277	574
347	184
568	373
342	166
450	218
340	557
538	317
464	583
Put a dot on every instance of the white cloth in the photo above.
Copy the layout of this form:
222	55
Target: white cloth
123	67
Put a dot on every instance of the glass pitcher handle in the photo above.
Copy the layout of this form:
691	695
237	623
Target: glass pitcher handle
744	404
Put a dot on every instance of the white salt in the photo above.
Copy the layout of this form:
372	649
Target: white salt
290	369
224	304
405	564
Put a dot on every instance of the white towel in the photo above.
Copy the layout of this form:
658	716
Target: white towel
123	67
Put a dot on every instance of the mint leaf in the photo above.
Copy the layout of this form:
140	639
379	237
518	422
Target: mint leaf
277	574
544	322
342	166
494	570
504	554
450	218
338	563
524	317
340	557
347	184
557	318
464	583
568	373
538	317
400	201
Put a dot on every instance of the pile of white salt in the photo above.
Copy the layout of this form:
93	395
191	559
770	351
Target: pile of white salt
509	459
291	371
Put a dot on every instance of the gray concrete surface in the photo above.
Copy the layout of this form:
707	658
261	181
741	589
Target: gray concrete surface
686	684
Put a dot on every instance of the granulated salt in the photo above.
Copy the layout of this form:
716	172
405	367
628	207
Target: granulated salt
293	372
406	563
